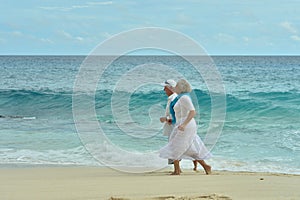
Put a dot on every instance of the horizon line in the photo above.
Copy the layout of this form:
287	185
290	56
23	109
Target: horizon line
150	55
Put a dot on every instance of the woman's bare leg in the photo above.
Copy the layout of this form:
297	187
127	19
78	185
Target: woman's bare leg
176	168
205	166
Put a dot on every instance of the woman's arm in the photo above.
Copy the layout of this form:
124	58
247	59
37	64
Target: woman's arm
190	116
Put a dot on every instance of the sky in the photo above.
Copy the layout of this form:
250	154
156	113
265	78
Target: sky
76	27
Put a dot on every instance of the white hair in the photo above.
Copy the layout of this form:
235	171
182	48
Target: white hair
183	86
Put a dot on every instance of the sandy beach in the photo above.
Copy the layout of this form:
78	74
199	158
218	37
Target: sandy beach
105	183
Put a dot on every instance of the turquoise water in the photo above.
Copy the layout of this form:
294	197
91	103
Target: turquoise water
261	130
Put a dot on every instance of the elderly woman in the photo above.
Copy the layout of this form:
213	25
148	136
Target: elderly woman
184	143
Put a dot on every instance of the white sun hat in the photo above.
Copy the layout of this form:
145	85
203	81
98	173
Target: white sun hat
170	83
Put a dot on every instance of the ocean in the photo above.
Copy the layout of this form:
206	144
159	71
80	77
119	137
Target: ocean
261	129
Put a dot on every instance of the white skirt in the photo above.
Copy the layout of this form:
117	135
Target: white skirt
185	144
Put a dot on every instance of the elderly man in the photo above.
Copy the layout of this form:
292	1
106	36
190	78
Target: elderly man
169	86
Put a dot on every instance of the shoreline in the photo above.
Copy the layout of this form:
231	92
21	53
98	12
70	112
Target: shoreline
169	167
106	183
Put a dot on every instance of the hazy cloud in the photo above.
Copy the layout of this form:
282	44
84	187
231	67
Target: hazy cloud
69	36
66	9
295	37
106	35
17	34
46	40
223	37
100	3
82	24
289	27
63	9
246	40
183	19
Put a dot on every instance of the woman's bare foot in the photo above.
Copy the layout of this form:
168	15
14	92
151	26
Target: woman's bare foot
174	173
205	166
207	169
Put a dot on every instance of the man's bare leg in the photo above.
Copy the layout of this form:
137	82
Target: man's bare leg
195	165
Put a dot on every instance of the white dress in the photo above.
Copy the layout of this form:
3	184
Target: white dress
184	144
